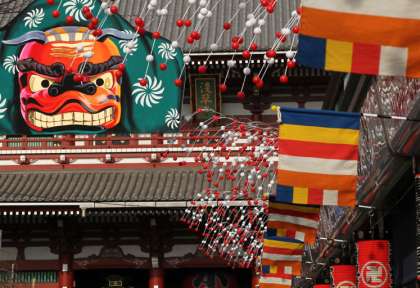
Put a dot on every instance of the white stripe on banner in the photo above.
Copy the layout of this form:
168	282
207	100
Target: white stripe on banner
393	60
318	165
280	257
293	220
275	280
406	9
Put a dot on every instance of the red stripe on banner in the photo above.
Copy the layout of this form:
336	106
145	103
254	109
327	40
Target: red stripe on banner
315	196
283	251
344	276
366	58
310	216
318	150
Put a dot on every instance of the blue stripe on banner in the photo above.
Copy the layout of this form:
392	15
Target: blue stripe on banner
311	51
266	269
320	118
271	232
284	194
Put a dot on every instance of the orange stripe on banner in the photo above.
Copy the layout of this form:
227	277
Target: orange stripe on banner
347	198
282	251
360	28
366	29
317	181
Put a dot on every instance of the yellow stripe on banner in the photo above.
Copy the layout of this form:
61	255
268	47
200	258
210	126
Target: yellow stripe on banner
282	244
273	269
300	195
338	55
303	209
319	134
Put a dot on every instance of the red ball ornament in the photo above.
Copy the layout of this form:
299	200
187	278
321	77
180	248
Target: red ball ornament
227	25
89	15
121	67
222	88
118	74
179	23
271	53
295	29
139	22
56	14
163	66
143	82
50	2
195	35
69	20
77	78
187	23
284	79
91	26
291	64
299	10
240	95
202	69
190	40
94	21
97	32
253	46
178	82
259	84
264	3
114	9
246	54
140	31
235	45
256	79
156	35
85	9
270	9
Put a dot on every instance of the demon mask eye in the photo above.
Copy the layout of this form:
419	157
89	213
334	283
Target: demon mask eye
105	80
38	83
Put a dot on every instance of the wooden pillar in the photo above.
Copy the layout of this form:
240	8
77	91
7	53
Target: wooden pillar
255	280
66	275
156	279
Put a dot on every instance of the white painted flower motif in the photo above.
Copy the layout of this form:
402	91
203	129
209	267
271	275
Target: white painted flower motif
166	51
74	8
34	18
150	94
129	46
10	64
3	108
172	118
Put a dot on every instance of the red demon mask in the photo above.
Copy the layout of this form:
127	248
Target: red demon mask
69	80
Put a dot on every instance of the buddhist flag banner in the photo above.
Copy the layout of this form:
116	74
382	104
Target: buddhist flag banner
318	155
373	258
344	276
284	267
277	249
374	37
293	221
275	281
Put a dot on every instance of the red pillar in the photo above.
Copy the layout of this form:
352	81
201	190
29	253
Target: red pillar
255	280
156	279
66	276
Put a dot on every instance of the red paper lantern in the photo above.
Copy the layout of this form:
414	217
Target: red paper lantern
344	276
373	258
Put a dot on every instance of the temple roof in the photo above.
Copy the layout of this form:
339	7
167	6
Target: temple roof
222	13
143	185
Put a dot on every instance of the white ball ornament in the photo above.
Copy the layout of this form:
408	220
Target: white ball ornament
213	47
253	21
187	59
104	5
261	22
204	11
247	70
88	55
294	13
192	1
149	7
203	3
231	63
175	44
164	11
250	16
153	2
285	31
209	14
290	54
131	44
248	23
200	16
257	30
127	50
242	5
150	58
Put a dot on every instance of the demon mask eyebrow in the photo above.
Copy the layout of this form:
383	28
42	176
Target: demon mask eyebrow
53	70
97	68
